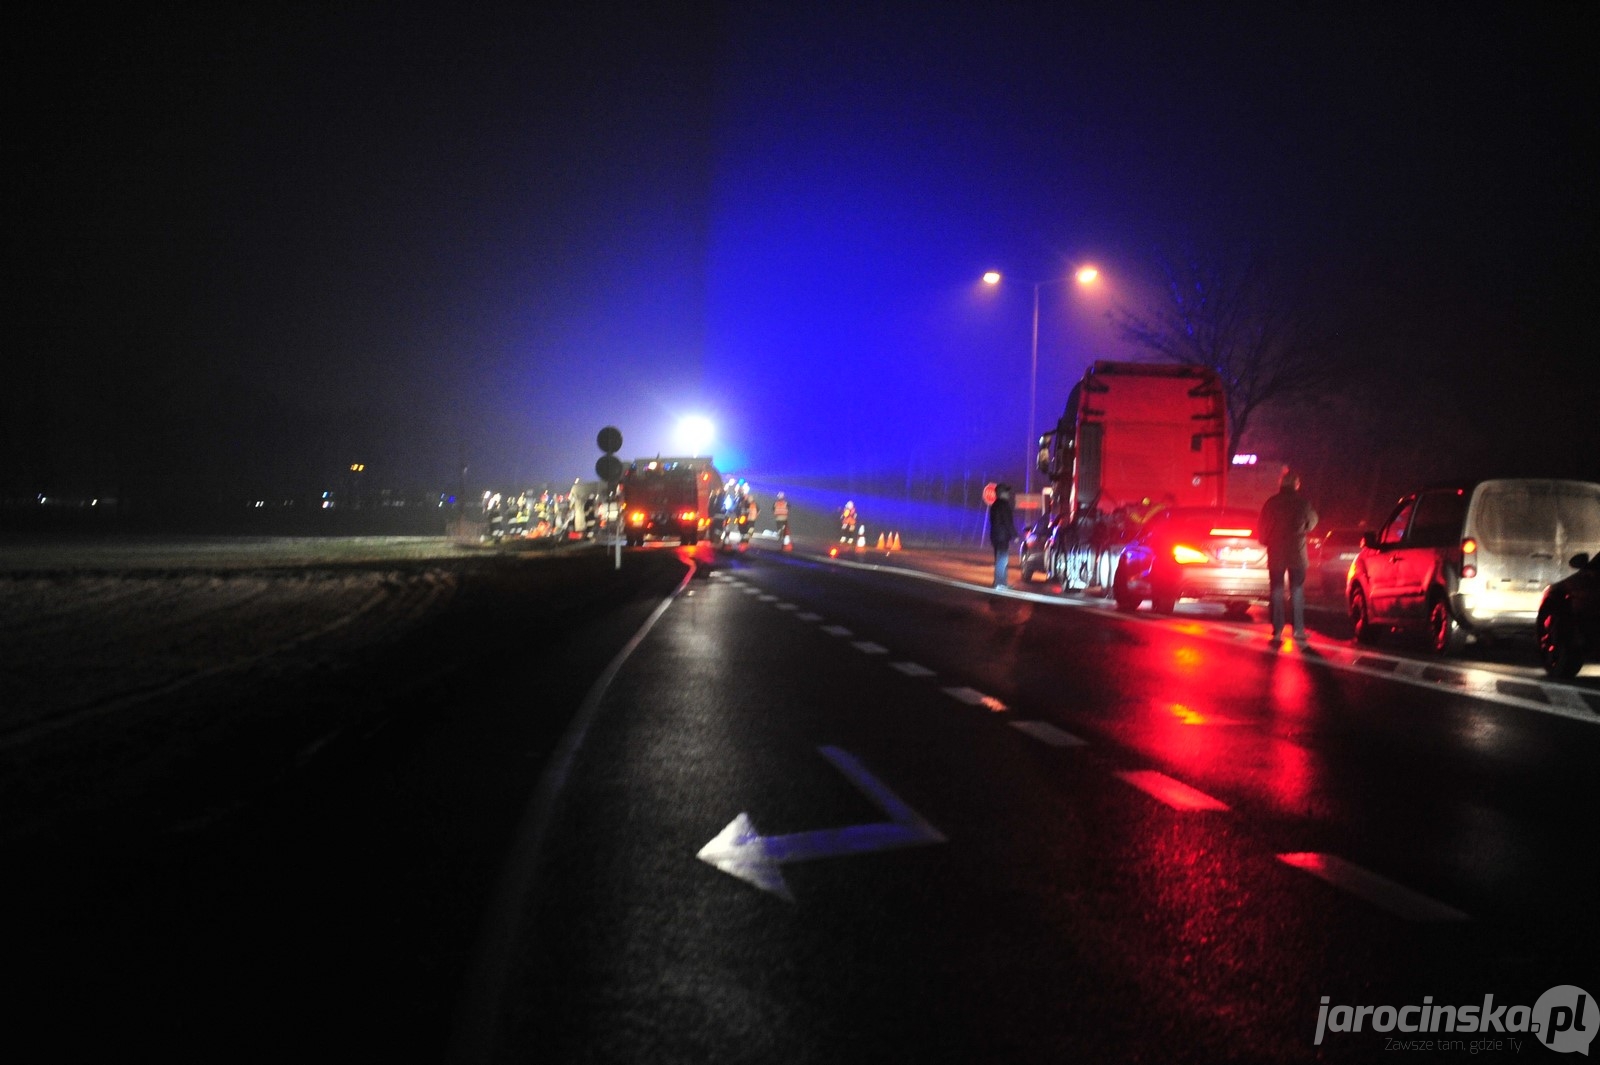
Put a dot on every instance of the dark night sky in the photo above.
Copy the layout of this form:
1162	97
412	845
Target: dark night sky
254	244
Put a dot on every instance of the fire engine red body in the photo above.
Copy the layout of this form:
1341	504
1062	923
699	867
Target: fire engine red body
1134	438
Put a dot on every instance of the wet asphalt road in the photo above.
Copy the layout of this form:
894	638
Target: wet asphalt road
1357	837
974	793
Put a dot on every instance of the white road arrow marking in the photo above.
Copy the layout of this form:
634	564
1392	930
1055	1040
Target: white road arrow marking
739	850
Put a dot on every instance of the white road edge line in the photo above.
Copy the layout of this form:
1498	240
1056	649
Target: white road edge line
480	1004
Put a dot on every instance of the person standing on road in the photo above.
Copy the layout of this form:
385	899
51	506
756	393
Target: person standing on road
1286	518
1002	530
780	515
848	520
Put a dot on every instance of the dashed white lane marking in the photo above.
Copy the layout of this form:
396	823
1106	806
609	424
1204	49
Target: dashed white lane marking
1507	689
809	616
1047	733
973	697
912	669
765	598
787	606
1378	890
837	630
1175	793
867	647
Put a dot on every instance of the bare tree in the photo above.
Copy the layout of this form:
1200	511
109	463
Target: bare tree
1233	318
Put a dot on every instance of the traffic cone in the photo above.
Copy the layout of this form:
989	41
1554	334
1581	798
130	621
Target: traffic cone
894	541
881	542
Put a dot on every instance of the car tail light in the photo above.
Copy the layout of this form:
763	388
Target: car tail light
1184	555
635	517
687	515
1469	557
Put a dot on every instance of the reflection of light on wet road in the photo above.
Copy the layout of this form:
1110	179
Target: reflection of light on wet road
1188	659
1187	716
1290	776
1291	688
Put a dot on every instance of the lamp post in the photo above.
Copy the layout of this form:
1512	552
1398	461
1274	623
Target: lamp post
1084	275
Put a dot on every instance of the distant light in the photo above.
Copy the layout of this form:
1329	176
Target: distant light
695	434
1244	460
1087	275
992	277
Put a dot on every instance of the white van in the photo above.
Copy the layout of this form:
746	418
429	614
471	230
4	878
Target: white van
1470	561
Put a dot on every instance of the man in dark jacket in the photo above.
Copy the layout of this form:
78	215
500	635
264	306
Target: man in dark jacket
1002	530
1286	518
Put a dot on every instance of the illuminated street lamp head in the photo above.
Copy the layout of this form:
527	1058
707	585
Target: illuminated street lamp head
1087	275
694	434
992	277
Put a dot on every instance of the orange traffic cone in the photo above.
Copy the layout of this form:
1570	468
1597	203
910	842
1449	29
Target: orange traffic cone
881	542
894	542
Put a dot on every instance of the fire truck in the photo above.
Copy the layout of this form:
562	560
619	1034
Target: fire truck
668	498
1134	438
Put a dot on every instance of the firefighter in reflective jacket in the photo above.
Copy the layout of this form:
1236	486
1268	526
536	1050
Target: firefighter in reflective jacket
780	515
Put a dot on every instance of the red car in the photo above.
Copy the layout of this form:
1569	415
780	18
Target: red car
1206	553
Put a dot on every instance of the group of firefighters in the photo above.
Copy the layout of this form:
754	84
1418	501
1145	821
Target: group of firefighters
734	521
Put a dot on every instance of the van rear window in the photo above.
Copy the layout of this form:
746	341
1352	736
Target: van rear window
1518	514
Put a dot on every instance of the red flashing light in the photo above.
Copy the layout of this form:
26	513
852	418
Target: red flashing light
1232	532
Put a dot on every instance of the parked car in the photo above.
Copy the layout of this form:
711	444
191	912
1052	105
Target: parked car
1470	561
1569	618
1331	553
1193	553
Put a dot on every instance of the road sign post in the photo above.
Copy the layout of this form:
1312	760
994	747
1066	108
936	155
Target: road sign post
609	469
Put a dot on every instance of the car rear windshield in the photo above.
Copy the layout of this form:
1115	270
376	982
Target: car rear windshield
1513	515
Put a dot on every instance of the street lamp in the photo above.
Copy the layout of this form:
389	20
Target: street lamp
1085	275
